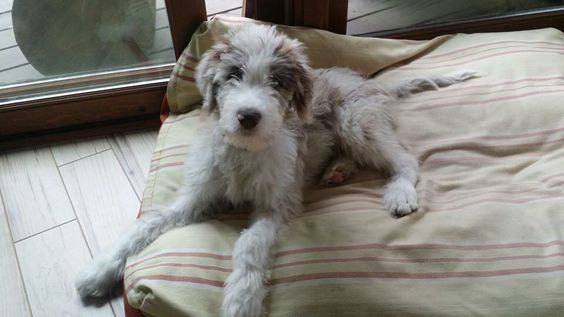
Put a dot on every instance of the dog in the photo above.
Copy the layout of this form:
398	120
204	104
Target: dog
272	126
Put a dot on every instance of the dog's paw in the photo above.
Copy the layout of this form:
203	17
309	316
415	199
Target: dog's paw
337	173
400	199
98	279
243	294
90	284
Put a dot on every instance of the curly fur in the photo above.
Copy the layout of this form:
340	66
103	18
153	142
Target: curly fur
304	124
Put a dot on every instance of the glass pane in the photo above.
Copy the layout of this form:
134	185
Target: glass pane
224	7
55	46
367	16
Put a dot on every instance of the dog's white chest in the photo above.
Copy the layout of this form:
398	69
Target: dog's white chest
256	177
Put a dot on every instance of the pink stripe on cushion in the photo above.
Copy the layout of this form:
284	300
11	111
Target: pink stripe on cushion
187	78
360	275
546	132
481	58
433	56
423	61
407	275
402	247
172	148
546	179
162	277
190	254
186	54
419	246
359	259
473	93
180	265
481	102
419	260
182	154
187	67
159	167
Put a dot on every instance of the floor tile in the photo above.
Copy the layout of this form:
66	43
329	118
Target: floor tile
34	195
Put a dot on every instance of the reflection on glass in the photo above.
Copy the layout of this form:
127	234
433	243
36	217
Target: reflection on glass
374	16
43	42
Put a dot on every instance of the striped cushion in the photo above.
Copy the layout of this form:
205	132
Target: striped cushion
488	239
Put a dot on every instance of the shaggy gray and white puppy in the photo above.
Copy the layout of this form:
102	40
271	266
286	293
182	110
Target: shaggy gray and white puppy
273	126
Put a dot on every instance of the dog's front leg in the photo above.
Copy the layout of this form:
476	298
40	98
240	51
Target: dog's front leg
245	288
193	203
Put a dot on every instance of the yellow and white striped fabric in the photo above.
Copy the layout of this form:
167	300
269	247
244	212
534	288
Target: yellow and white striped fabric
488	238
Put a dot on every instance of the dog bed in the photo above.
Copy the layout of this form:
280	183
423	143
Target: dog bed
487	239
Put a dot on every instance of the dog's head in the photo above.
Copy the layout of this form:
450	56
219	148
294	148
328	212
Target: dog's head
253	80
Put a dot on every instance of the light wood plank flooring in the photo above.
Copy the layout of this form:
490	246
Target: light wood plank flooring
60	204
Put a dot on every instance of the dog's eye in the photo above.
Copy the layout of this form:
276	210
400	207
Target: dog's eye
235	73
276	82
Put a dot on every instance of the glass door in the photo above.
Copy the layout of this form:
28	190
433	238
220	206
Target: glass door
54	47
89	67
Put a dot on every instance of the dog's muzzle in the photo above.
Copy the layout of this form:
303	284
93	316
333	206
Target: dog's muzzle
248	118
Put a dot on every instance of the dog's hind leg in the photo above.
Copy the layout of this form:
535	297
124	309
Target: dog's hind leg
400	197
367	135
338	171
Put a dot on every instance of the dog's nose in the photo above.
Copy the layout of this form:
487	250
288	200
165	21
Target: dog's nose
248	118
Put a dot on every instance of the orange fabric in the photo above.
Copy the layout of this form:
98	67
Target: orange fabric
164	109
130	311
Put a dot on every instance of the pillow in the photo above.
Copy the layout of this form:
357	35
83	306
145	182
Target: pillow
487	239
325	49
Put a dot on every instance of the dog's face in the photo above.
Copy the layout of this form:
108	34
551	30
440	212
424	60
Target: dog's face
252	80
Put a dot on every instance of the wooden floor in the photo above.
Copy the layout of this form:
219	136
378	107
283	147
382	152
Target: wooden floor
60	204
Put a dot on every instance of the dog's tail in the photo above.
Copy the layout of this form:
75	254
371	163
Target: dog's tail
412	86
106	272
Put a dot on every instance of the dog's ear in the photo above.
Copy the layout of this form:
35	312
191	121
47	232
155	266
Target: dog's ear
301	100
303	93
206	75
